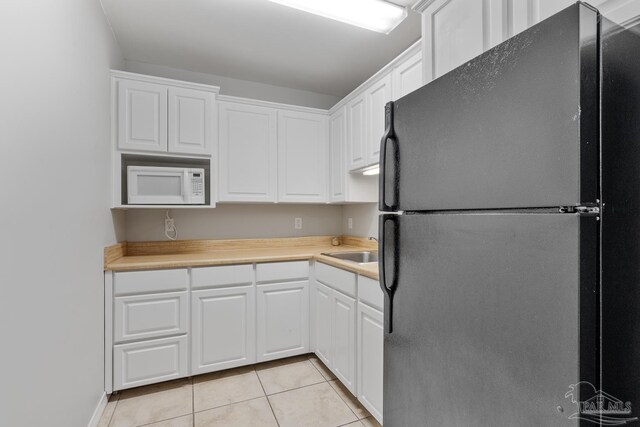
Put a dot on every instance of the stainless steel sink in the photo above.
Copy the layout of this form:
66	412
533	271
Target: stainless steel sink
362	257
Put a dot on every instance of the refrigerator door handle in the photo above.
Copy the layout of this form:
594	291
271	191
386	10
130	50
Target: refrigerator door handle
388	236
389	135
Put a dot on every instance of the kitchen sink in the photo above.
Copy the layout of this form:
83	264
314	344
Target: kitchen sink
362	257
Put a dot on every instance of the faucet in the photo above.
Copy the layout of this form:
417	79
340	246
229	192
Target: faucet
373	238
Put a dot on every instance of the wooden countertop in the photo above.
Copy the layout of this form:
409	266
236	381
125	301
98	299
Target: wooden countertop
129	256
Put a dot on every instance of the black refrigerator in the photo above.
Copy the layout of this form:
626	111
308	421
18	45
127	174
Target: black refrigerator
510	261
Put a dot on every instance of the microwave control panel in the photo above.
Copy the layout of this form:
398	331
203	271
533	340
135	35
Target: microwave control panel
197	184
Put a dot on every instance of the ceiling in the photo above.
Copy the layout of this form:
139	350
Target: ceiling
256	40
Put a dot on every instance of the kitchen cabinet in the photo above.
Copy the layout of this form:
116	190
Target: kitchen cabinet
344	339
337	163
223	328
370	359
357	132
282	309
407	76
191	121
248	148
455	31
323	299
370	345
302	157
377	95
283	320
164	116
142	116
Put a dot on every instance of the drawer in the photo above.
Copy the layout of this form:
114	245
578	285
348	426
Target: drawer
143	282
343	281
369	292
150	316
282	271
209	277
149	362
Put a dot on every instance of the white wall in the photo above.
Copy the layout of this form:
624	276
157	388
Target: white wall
236	222
55	217
365	219
235	87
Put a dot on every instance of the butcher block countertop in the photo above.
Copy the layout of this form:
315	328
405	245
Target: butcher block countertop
128	256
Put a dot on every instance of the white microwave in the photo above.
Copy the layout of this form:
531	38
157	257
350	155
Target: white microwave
151	185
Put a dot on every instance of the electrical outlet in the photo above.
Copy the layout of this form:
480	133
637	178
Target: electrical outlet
298	223
349	223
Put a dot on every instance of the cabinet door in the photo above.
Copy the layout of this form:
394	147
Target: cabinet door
357	132
248	153
370	359
302	157
378	94
344	339
407	76
142	116
223	328
323	299
191	119
283	320
338	135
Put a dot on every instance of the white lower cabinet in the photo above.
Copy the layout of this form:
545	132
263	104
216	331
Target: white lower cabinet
283	320
344	339
370	359
323	298
148	362
223	328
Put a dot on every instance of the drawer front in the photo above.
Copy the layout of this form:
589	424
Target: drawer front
210	277
281	271
149	362
142	282
341	280
150	316
370	293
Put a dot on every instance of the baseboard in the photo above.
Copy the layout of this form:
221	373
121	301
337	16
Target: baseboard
97	414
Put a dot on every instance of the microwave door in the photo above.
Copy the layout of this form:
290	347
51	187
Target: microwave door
157	187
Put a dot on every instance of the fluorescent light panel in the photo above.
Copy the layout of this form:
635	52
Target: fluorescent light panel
375	15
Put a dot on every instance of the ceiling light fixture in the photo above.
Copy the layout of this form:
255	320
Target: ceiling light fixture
375	15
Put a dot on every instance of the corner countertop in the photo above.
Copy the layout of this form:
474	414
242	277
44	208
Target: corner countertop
131	256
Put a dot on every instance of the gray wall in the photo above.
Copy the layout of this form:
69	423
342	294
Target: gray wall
55	213
365	219
235	87
236	222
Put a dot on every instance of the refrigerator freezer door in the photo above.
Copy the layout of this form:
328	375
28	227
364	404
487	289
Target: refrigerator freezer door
494	317
516	127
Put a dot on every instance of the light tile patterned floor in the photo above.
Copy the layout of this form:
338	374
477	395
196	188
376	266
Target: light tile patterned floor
298	392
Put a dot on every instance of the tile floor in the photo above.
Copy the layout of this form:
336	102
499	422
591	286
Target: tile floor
298	391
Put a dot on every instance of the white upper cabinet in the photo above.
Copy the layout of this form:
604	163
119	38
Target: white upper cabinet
357	132
337	162
455	31
191	118
142	116
407	76
302	157
378	94
248	153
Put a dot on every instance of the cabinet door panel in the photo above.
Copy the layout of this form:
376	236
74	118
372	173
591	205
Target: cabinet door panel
149	362
223	333
407	76
344	342
150	316
357	132
283	320
370	359
191	119
302	157
248	153
338	135
377	97
323	299
142	116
